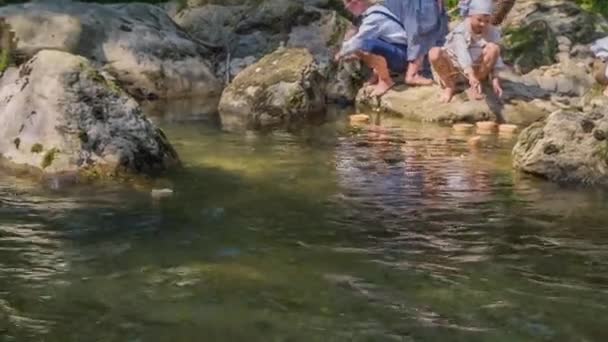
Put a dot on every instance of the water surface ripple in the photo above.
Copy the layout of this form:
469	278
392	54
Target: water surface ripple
395	232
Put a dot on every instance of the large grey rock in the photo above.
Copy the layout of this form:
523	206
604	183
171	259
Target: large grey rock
244	28
323	38
568	146
571	77
564	18
284	88
137	43
517	106
539	36
248	30
59	114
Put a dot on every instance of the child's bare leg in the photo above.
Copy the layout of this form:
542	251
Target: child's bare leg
484	67
413	77
606	91
378	64
445	71
489	57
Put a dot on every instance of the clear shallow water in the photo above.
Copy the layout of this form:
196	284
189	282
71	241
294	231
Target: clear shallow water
398	233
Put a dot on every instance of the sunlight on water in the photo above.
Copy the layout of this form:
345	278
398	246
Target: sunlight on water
394	232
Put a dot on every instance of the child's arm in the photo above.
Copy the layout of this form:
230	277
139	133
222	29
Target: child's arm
496	37
460	48
367	30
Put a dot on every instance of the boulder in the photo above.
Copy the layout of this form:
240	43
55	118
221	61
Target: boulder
323	38
248	30
530	46
570	77
568	146
422	104
564	18
244	28
285	88
59	114
539	38
138	43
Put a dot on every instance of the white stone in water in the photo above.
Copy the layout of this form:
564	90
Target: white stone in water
161	193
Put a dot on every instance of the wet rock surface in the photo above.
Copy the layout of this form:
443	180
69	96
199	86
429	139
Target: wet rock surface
568	146
58	114
283	89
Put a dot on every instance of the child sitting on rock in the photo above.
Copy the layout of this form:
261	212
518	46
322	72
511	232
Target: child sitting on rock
380	43
471	53
600	67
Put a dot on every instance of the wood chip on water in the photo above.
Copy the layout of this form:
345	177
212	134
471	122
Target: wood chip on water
507	128
462	127
161	193
359	119
486	125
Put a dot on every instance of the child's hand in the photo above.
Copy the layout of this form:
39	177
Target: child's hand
497	87
474	82
337	56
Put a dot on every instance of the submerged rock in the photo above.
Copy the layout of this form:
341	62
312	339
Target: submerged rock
284	88
568	146
60	114
138	43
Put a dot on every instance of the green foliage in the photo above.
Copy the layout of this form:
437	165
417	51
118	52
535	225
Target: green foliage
596	6
531	46
5	59
48	158
452	4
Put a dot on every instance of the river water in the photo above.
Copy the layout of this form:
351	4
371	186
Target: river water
395	232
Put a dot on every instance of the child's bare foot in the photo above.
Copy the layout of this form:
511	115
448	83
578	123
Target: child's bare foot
418	80
382	87
606	91
447	95
474	94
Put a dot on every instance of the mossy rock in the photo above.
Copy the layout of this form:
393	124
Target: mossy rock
8	45
530	46
283	65
284	88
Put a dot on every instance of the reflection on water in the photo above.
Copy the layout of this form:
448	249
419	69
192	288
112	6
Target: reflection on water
391	233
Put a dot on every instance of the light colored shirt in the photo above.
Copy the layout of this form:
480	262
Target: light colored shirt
600	48
375	26
468	46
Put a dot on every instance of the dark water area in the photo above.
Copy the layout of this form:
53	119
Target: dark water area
396	232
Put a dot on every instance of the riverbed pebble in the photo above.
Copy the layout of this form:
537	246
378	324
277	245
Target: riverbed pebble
507	128
462	127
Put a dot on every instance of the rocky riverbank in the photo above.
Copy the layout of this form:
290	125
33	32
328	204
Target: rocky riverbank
260	65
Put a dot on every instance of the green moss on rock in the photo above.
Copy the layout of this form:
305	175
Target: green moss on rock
37	148
283	65
97	77
49	157
530	46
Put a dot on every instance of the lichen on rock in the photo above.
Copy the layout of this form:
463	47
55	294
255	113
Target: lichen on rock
284	88
568	146
59	114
